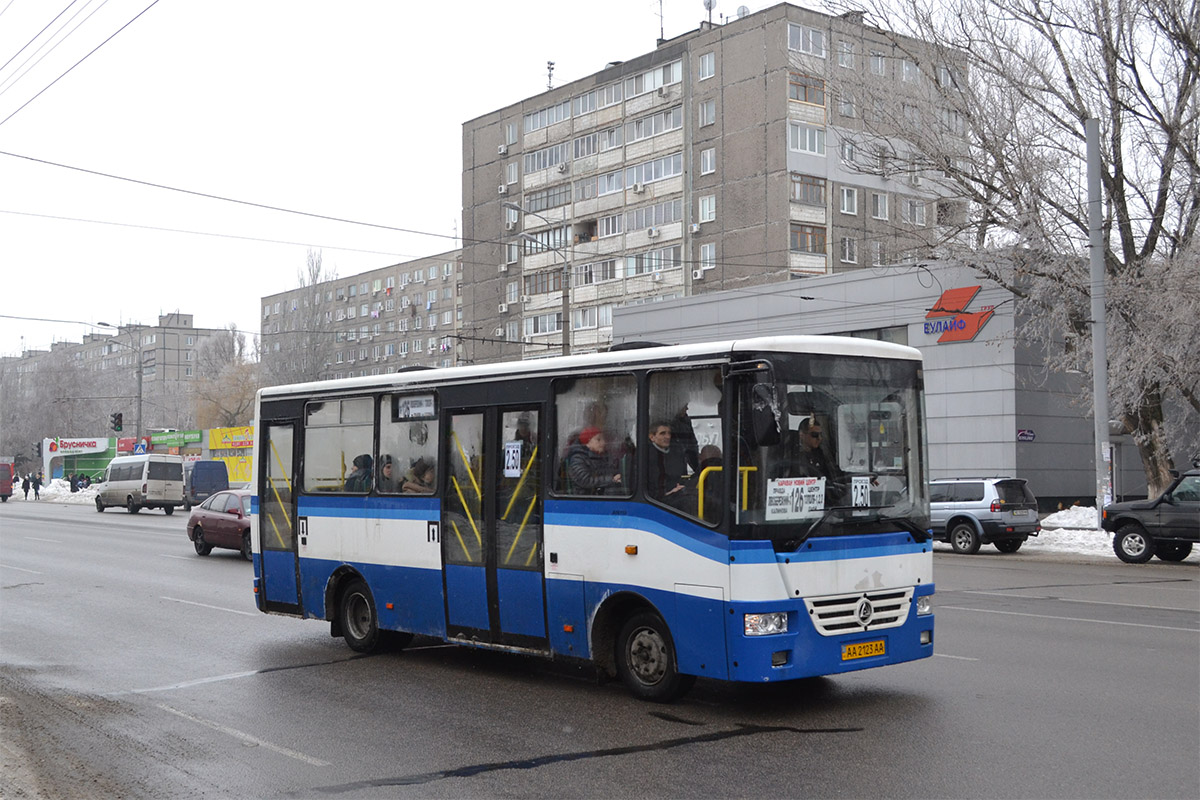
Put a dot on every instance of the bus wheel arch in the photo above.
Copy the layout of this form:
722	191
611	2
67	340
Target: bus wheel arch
334	587
607	622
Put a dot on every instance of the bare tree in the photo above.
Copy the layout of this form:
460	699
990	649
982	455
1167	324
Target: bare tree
224	392
1010	84
302	351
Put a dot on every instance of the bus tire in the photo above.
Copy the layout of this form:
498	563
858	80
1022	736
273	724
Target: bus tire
646	660
359	621
964	539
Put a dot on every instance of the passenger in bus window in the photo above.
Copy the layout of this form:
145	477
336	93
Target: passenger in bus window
588	466
419	479
387	479
360	479
667	478
683	436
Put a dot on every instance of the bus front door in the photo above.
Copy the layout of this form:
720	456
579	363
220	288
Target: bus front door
279	576
492	529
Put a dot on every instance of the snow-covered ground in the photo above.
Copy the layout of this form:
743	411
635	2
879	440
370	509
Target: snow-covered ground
1071	531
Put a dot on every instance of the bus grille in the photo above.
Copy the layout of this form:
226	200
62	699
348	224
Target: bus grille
840	614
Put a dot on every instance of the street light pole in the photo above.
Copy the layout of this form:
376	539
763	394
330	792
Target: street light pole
566	275
137	427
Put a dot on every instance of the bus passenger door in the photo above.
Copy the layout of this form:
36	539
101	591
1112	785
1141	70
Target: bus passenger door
492	529
278	560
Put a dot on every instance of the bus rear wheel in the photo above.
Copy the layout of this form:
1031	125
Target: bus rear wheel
359	621
646	660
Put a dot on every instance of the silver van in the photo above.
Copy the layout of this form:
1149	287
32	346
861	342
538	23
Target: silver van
144	481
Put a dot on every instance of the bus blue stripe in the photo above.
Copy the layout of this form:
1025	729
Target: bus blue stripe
421	508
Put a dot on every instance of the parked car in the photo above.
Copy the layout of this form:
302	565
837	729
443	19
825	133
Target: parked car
968	512
203	479
1167	526
222	520
149	480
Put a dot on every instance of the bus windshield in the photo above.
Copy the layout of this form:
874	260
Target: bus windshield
840	453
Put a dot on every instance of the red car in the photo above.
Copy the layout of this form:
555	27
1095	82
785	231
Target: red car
222	520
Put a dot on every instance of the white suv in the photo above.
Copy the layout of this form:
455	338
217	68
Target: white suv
968	512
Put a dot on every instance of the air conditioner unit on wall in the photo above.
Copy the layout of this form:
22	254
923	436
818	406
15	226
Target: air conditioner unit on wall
502	189
697	274
503	268
638	188
528	340
510	225
662	91
502	150
695	227
503	308
652	232
498	332
525	298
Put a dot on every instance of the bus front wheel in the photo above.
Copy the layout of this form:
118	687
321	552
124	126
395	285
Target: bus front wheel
359	622
646	660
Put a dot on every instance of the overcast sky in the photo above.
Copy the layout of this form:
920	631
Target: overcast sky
343	108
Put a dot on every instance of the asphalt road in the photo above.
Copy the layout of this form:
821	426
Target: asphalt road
131	667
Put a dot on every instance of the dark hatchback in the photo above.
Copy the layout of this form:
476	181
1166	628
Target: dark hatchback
1166	526
222	520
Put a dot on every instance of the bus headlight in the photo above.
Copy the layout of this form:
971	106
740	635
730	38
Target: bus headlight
924	605
765	624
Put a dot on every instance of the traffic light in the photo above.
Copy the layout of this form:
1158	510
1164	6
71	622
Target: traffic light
37	450
117	417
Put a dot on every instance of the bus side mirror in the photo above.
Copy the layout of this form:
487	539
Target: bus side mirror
764	416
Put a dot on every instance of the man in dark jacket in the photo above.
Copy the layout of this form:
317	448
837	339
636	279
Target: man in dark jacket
589	470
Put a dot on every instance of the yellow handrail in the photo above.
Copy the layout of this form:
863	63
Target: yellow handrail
461	543
467	464
520	483
466	509
521	529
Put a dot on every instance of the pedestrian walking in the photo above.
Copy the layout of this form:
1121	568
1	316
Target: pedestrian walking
36	483
25	486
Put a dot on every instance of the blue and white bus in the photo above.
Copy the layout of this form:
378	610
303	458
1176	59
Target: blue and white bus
751	510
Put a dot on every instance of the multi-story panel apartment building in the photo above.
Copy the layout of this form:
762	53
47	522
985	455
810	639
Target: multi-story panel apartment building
143	371
761	150
375	322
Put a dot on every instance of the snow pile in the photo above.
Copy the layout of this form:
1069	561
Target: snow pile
59	491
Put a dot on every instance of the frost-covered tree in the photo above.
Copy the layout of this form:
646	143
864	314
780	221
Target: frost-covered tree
224	394
302	351
1009	85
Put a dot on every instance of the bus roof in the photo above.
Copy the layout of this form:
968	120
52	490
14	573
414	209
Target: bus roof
826	345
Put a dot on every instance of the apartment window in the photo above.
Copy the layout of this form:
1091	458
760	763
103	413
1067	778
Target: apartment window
547	157
654	124
849	250
389	304
708	113
708	65
587	145
806	89
806	40
610	226
512	330
708	208
878	63
849	200
658	214
547	116
912	210
656	170
548	198
612	137
610	183
808	189
846	106
808	239
708	255
543	323
805	138
664	258
879	205
376	284
947	78
595	273
878	254
708	161
846	54
655	78
512	172
910	72
510	133
512	252
848	151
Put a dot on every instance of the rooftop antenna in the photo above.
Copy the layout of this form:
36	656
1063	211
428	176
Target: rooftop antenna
549	74
661	33
708	6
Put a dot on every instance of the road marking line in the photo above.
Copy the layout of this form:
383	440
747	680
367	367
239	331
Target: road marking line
35	539
166	555
1069	600
21	569
956	658
215	608
1067	619
245	737
188	684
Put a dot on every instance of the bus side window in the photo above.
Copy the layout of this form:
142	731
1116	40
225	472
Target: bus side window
595	449
336	434
685	420
406	447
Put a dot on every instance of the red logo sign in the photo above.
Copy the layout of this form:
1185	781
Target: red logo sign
951	319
